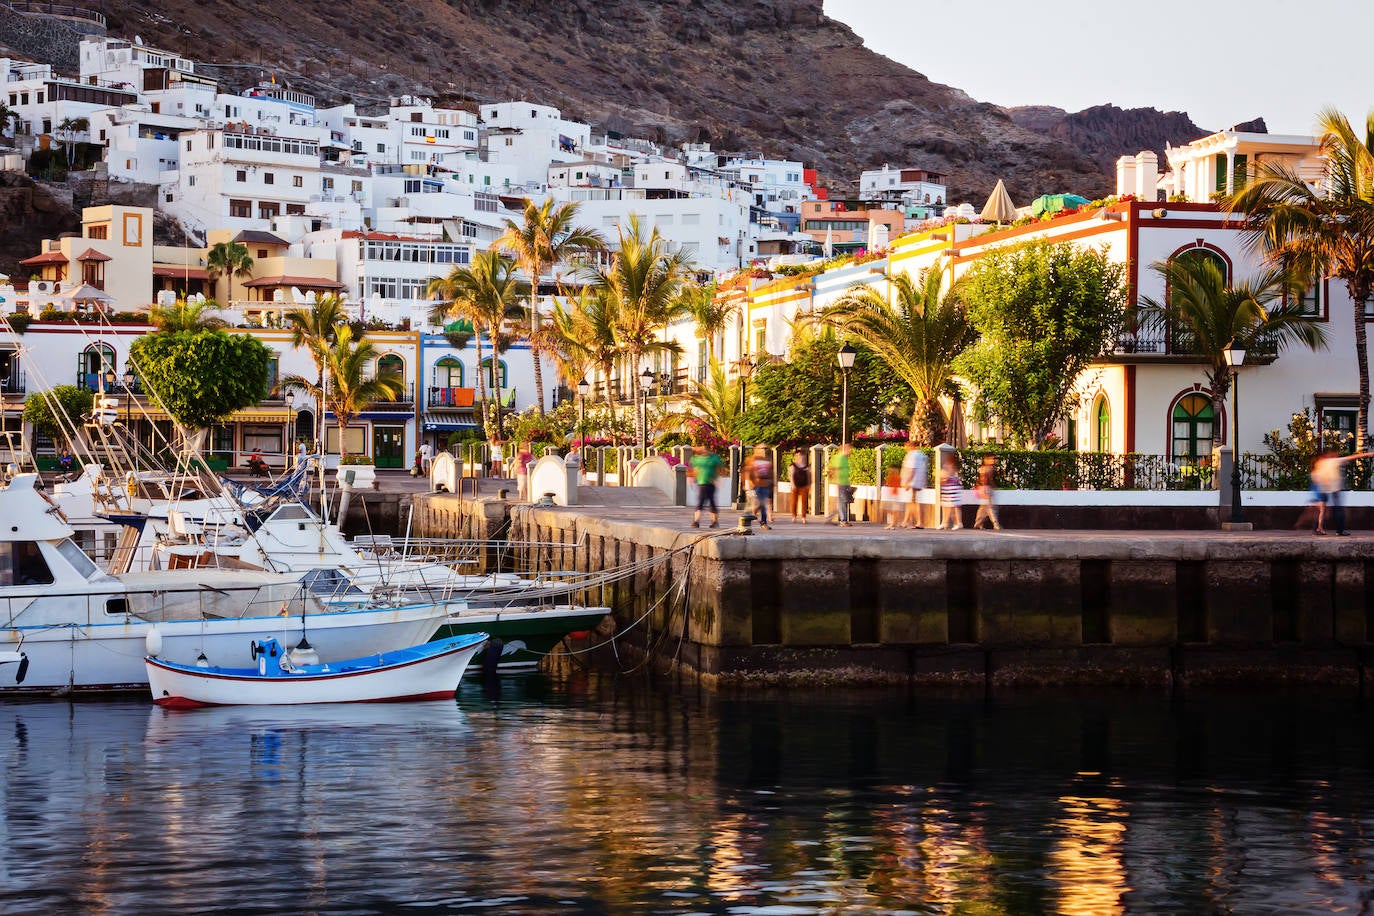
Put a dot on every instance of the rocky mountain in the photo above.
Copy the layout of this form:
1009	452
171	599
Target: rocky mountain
773	75
29	213
1106	132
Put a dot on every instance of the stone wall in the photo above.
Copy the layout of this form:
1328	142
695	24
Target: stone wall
42	38
987	612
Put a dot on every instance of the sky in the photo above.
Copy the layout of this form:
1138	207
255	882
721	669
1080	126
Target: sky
1222	63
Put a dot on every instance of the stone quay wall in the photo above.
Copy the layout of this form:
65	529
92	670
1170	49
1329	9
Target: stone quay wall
986	611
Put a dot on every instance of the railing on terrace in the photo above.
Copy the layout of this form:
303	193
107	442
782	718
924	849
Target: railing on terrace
450	397
1157	337
65	10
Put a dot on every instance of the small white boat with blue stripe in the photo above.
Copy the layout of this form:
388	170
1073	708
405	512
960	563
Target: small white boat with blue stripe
288	678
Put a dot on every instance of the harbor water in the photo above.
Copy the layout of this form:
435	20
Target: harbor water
616	795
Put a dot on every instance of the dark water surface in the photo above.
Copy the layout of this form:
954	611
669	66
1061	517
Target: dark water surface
605	796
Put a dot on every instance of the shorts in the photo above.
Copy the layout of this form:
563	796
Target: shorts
1318	495
706	496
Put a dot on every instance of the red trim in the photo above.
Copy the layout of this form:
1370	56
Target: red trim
184	703
983	249
1191	224
1130	408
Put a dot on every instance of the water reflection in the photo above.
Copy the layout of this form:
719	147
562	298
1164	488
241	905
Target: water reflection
605	796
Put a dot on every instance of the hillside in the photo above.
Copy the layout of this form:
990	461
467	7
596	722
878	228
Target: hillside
775	75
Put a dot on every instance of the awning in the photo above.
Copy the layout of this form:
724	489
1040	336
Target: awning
90	254
306	282
397	414
249	415
180	273
51	257
431	427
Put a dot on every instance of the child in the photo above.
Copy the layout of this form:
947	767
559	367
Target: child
951	492
892	496
987	490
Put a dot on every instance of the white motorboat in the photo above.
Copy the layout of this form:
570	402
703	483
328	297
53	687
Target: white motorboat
426	672
67	625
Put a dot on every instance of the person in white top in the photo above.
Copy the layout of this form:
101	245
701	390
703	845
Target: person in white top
1328	476
426	456
915	478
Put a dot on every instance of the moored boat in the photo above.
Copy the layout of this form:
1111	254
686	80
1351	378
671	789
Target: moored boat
425	672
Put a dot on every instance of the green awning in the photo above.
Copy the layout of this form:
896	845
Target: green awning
1054	203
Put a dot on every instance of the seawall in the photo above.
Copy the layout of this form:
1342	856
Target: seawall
811	605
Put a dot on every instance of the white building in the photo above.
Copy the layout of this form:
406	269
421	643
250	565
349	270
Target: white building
905	186
424	134
529	137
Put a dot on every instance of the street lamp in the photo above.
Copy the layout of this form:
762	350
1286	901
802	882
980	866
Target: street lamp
646	381
846	359
1235	358
128	394
584	388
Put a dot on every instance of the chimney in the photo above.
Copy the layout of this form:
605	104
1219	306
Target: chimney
1147	175
1125	175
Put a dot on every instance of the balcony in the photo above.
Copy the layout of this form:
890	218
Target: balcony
450	398
1157	339
404	401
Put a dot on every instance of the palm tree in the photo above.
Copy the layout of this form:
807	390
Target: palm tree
587	333
544	236
350	387
315	328
642	288
228	259
1207	316
183	316
1323	231
718	402
711	314
918	336
7	116
68	127
484	292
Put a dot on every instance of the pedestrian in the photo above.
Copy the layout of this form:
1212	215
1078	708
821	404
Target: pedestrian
66	460
951	493
800	475
426	457
497	459
987	491
523	460
706	467
758	475
839	474
915	478
1329	475
890	504
301	456
1316	506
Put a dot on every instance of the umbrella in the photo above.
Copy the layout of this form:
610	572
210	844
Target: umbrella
1053	203
999	208
956	435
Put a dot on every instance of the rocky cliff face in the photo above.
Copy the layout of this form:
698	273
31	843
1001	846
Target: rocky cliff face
775	75
29	213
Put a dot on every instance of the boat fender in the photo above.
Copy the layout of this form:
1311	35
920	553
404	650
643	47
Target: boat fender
152	642
23	669
491	657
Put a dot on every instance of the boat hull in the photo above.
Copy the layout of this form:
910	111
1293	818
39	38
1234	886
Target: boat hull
102	657
425	672
526	635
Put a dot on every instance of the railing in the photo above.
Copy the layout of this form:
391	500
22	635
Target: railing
65	10
14	383
450	397
1266	472
1157	337
406	397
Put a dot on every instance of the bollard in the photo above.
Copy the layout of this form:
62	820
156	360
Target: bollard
746	524
818	480
680	485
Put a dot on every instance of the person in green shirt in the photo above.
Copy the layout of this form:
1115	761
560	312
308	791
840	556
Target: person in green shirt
706	466
839	473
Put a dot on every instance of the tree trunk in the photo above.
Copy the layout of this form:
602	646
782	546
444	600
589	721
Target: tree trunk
534	349
927	422
1362	361
496	381
482	387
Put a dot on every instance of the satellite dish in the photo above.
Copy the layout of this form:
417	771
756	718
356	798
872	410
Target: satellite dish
138	39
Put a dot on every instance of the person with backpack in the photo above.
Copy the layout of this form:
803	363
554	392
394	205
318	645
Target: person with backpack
800	475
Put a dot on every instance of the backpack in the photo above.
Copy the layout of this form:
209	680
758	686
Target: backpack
763	472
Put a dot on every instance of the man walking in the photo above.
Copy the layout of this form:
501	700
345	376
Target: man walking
706	467
839	474
758	475
915	478
1328	475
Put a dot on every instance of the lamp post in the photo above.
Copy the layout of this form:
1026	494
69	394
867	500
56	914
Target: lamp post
128	395
584	388
1235	358
646	381
846	360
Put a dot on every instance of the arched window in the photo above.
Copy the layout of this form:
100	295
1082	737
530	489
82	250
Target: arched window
391	364
96	368
1193	422
1102	425
1205	254
305	425
448	373
501	371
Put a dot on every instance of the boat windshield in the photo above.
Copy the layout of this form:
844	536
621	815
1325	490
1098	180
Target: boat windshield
74	555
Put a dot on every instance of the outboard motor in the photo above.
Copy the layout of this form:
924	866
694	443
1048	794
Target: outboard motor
263	650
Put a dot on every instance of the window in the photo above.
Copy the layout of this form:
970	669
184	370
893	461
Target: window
381	147
703	358
241	175
327	183
297	181
295	209
266	439
448	373
98	232
356	440
1239	174
1193	423
221	438
243	209
691	219
357	187
392	365
267	210
188	146
22	563
191	181
1337	417
269	178
80	562
1102	425
492	381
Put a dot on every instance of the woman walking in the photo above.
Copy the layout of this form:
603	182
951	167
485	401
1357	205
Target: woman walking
800	476
987	491
951	493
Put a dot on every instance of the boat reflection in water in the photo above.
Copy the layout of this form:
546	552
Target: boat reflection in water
611	795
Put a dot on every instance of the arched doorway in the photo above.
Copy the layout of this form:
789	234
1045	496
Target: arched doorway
1102	424
1193	421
